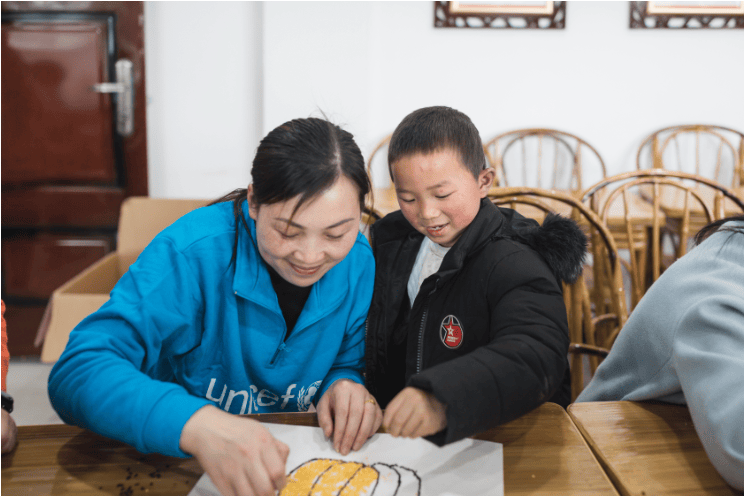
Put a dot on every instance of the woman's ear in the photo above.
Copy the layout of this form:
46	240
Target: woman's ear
485	181
252	205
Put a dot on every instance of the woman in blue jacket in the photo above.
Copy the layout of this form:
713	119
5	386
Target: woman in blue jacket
253	304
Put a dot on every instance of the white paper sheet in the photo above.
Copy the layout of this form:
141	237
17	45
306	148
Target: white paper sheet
404	467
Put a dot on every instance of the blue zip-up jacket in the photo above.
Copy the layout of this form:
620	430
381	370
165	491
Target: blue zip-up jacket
185	328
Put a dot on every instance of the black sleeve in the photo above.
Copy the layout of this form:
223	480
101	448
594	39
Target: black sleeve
525	362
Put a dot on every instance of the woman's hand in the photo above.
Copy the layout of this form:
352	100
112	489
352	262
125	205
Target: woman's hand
239	454
414	413
348	413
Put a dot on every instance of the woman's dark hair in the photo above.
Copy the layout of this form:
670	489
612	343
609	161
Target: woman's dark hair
715	226
302	157
430	129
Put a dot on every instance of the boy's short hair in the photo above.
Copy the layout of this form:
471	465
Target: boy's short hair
429	129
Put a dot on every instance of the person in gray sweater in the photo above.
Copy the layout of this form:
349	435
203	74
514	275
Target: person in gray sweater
684	344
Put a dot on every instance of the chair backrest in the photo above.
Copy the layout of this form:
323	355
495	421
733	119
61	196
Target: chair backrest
372	211
382	199
594	317
378	155
710	151
369	217
544	158
680	204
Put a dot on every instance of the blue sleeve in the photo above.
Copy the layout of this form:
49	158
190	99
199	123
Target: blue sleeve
114	376
349	362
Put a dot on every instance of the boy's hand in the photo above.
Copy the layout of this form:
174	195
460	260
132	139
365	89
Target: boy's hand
348	413
414	413
240	455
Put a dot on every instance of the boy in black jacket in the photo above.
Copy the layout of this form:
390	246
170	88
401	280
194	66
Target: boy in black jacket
467	328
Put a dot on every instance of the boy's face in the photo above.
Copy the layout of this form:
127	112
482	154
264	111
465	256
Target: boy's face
438	195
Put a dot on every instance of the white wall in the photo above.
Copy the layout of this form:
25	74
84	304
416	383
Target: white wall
317	61
203	76
368	64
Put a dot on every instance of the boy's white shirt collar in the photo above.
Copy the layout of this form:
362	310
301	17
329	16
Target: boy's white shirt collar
428	261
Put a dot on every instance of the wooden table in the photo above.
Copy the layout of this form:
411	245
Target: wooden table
544	454
648	448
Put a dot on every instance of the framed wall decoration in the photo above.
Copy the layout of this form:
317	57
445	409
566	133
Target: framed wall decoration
500	15
687	15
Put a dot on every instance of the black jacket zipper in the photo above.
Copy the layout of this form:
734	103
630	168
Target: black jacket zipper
422	327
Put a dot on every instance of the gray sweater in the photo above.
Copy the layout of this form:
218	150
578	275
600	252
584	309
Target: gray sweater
684	344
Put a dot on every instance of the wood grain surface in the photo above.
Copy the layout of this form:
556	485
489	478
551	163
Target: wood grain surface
544	454
648	448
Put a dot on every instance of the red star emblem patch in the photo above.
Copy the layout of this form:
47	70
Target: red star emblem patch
450	332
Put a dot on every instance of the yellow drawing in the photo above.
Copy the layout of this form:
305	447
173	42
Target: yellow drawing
327	477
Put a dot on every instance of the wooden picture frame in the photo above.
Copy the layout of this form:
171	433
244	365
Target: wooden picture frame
500	15
687	15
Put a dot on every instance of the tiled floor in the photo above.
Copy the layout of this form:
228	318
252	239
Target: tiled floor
27	383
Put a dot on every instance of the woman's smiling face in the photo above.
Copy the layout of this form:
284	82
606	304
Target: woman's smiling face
304	246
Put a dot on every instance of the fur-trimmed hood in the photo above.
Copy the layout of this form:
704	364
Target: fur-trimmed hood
560	242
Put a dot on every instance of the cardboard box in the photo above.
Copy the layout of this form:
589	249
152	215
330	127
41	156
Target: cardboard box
140	221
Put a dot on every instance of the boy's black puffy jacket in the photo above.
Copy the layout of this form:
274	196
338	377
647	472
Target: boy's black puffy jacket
498	294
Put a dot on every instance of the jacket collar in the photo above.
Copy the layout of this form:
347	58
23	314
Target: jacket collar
559	241
488	222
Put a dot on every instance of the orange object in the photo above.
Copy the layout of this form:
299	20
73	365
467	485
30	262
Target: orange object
6	355
324	476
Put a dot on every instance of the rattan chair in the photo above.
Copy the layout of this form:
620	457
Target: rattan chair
369	217
674	196
714	152
710	151
594	317
380	151
544	158
382	199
